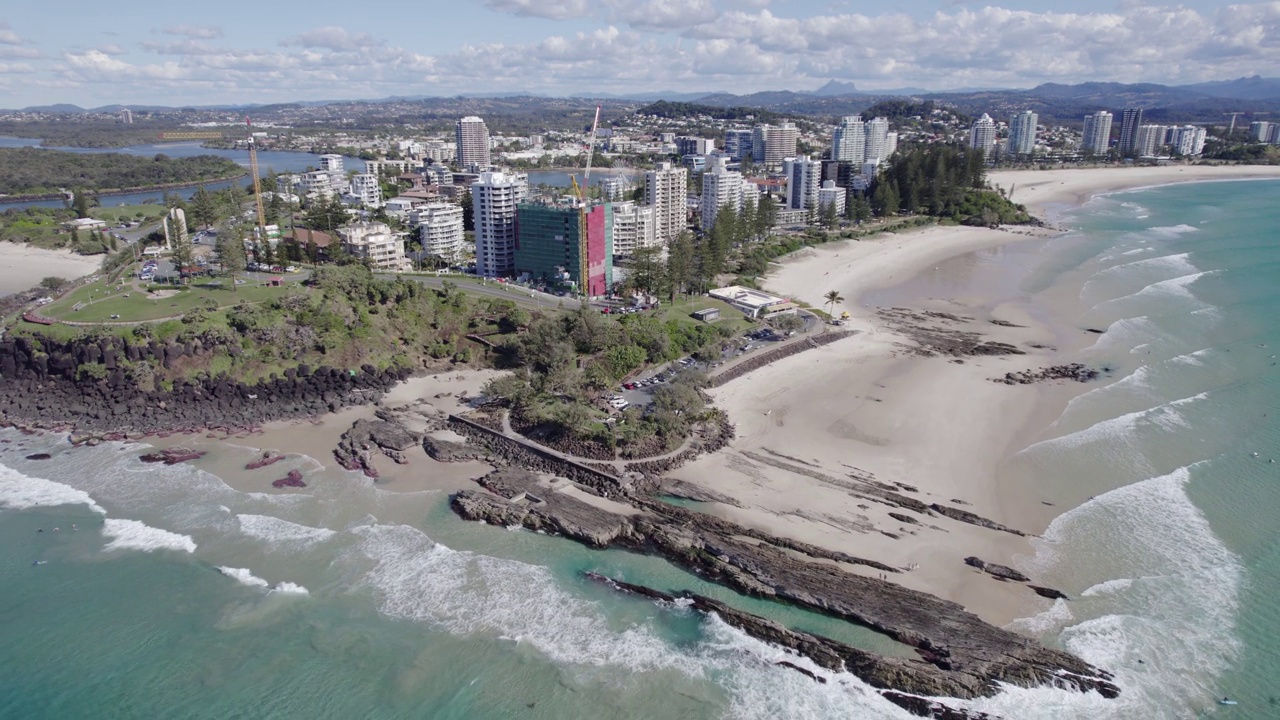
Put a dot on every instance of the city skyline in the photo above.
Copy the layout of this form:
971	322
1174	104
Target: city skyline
149	53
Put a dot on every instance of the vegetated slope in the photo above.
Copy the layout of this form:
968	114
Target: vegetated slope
31	171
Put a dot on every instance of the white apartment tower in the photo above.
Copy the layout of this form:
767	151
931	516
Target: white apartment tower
849	143
1096	137
721	187
494	197
804	179
472	137
833	196
1022	133
633	228
982	136
331	164
375	243
366	190
440	231
666	190
1188	140
877	140
175	228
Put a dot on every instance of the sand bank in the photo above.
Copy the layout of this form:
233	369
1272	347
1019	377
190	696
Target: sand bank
1045	191
22	266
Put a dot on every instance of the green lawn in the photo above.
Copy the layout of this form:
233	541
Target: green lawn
105	301
682	309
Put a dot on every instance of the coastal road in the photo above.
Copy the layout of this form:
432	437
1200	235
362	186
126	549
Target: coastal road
531	299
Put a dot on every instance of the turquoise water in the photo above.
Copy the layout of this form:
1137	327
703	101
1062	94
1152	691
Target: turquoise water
176	595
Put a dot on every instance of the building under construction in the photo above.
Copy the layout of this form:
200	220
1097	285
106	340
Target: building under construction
566	245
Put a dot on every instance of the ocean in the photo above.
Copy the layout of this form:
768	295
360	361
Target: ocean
165	592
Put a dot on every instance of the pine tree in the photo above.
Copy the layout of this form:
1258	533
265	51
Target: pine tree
80	203
204	208
680	264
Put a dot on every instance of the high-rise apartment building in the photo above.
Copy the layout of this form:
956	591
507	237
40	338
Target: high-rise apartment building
804	179
1130	120
849	142
440	230
721	187
366	190
567	245
666	190
126	116
833	196
494	197
1022	133
331	163
771	144
633	228
982	136
472	139
877	140
694	145
1148	139
1188	140
1096	137
737	143
1259	130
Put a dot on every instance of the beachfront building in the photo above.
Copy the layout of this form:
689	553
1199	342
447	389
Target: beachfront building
804	179
374	243
879	142
982	136
666	190
1149	139
494	197
721	187
471	136
1130	121
634	227
831	195
440	231
1022	133
565	245
849	142
754	303
1188	140
1096	137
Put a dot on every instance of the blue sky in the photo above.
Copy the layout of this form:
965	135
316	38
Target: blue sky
173	53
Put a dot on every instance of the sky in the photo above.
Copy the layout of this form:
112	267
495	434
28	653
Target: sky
233	51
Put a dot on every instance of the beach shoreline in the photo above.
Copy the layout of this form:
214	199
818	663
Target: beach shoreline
868	402
23	266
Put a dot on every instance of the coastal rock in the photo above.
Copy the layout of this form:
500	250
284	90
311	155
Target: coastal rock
1000	572
172	456
266	459
449	451
1049	593
293	479
367	436
968	517
39	456
1074	371
960	655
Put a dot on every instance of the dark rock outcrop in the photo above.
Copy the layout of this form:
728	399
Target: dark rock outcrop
770	356
449	451
264	461
1000	572
43	387
960	655
367	436
293	479
172	456
1073	371
39	456
1049	593
968	517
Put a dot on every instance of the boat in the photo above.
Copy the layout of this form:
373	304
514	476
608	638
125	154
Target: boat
1227	701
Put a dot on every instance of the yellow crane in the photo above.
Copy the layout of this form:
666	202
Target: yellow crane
257	183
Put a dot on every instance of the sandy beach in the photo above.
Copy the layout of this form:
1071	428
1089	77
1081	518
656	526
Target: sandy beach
939	425
22	266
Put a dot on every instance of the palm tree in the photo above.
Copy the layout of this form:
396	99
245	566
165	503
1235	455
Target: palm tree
832	297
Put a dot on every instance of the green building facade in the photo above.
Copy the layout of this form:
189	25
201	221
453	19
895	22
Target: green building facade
566	245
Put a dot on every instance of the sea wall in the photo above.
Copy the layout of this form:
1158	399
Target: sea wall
764	358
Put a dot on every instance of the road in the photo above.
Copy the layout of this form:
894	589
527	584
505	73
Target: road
522	296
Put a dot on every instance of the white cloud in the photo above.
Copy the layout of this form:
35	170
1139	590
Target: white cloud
202	32
8	36
331	37
16	68
665	14
19	51
551	9
112	49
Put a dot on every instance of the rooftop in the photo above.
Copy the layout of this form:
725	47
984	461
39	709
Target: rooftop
746	297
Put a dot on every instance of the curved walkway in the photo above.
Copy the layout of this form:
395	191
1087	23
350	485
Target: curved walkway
618	464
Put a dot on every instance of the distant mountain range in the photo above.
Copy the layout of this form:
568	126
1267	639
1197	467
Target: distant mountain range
1056	103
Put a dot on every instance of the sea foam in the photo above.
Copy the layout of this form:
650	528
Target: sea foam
244	576
134	535
282	533
22	492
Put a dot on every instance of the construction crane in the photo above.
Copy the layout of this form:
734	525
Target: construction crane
192	135
591	146
257	183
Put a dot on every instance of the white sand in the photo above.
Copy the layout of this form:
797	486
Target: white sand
1041	190
929	423
22	266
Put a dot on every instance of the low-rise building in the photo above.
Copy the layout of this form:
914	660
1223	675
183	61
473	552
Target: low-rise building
754	303
375	243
